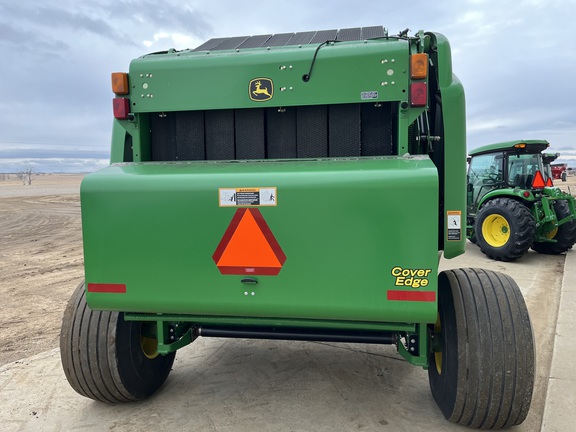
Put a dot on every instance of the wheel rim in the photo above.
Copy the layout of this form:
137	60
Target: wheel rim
438	351
149	347
552	233
148	341
496	230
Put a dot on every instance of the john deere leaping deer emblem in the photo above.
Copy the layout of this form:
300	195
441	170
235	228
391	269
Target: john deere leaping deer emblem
261	89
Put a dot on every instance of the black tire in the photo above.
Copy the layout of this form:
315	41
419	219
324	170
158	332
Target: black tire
519	224
565	236
102	354
470	232
484	375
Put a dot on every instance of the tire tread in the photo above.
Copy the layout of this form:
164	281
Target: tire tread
522	229
495	351
90	356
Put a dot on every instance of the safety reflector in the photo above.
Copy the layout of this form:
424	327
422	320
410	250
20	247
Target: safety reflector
422	296
538	182
121	108
107	288
248	246
549	182
418	94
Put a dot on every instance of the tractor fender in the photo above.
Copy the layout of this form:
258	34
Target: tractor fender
517	194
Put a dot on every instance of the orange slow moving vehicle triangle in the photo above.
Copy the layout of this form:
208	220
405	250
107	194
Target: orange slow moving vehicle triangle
248	246
538	182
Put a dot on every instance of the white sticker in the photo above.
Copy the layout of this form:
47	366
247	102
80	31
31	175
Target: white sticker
251	197
368	95
454	225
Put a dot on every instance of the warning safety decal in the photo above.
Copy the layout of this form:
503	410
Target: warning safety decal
265	196
454	225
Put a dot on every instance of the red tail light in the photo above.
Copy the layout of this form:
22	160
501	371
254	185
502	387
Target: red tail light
538	182
418	94
121	108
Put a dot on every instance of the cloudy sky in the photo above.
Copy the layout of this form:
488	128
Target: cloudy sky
516	60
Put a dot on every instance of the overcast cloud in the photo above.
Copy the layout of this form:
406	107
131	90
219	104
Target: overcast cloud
516	60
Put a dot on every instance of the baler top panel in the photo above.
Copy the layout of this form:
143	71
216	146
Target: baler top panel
310	68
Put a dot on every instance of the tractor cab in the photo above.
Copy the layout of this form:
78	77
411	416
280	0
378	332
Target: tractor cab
547	159
554	171
516	165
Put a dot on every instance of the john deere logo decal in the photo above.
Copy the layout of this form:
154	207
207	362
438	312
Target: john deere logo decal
261	89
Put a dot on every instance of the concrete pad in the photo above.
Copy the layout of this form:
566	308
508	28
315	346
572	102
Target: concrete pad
560	407
564	353
560	410
568	308
237	385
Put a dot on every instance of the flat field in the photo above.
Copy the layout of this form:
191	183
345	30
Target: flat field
40	261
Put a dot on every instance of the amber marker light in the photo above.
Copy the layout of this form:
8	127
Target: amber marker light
419	66
520	145
120	83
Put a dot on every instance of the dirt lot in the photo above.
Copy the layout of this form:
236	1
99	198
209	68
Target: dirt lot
569	185
41	260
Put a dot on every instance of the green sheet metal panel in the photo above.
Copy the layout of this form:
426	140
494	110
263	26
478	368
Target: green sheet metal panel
342	72
453	167
356	235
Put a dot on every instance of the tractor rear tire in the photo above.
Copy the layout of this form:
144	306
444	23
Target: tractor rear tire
481	369
103	355
504	229
565	236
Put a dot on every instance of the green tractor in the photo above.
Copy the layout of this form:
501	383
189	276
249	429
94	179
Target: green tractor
512	203
264	187
547	159
554	171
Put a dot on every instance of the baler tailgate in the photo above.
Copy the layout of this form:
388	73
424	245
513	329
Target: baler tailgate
334	241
